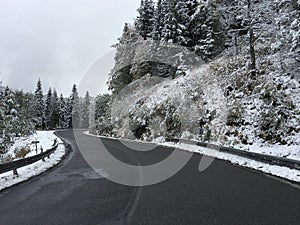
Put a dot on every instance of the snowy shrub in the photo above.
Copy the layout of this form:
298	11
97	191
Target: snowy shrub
139	121
235	116
22	152
166	113
104	126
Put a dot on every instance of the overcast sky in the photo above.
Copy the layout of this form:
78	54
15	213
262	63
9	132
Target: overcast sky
57	40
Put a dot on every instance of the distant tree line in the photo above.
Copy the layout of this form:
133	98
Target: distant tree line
53	111
22	113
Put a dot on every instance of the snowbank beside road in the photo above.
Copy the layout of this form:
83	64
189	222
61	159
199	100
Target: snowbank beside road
46	139
279	171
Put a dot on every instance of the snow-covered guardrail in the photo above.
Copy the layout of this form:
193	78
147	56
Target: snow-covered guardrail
274	160
6	167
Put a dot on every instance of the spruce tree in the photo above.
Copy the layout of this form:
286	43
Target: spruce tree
85	111
145	20
158	21
182	19
68	113
48	109
39	106
120	76
208	37
24	102
74	121
55	110
62	123
169	32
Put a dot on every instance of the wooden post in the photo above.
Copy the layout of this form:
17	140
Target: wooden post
42	152
15	172
36	148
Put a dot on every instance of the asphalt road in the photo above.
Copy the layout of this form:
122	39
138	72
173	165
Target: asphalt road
72	193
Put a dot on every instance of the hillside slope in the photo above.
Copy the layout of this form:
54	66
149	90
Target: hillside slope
224	100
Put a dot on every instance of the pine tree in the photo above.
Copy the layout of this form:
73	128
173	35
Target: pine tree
158	21
68	113
48	109
169	32
62	123
3	109
86	111
39	106
182	15
102	114
120	76
15	116
74	120
55	110
145	20
24	102
11	127
208	37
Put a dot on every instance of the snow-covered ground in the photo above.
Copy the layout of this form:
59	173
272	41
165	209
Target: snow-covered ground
289	152
279	171
46	139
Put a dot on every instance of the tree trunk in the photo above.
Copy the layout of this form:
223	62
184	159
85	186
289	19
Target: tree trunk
252	53
251	44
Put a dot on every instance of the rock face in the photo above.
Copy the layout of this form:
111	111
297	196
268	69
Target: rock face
229	99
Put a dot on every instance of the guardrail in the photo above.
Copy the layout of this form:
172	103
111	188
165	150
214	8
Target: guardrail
274	160
6	167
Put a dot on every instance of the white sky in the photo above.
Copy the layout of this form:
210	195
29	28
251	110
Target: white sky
57	40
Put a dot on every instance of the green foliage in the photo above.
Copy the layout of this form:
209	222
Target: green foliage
85	111
103	122
74	109
235	116
15	120
139	121
166	113
39	106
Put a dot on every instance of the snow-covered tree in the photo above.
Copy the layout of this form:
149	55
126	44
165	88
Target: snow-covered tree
68	113
158	21
24	102
62	113
74	119
39	106
208	37
145	20
252	22
120	76
182	15
55	110
48	109
11	124
169	32
102	114
85	111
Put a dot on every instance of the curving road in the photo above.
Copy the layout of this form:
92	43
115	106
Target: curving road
72	193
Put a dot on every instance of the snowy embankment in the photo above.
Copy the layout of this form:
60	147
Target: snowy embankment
46	139
279	171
